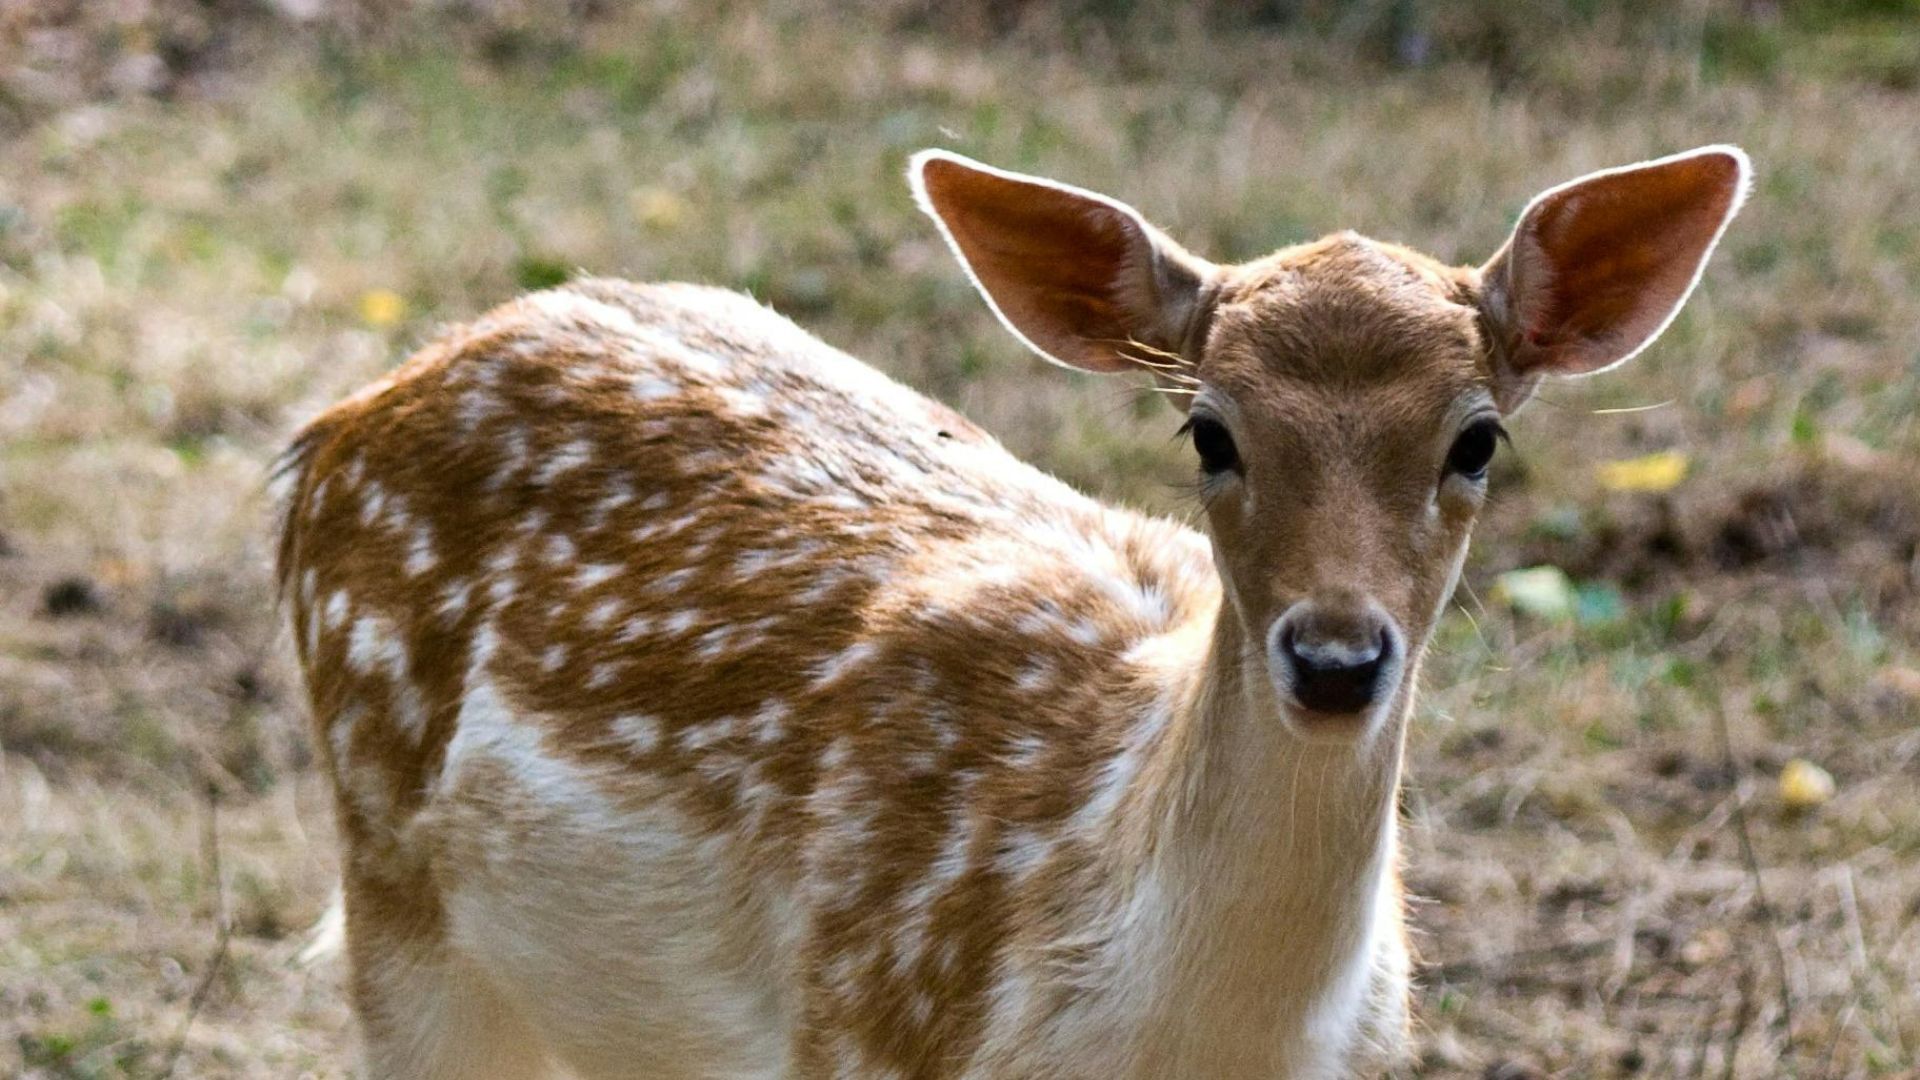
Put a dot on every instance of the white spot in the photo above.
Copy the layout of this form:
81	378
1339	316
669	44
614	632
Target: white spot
317	503
513	458
554	658
420	552
748	564
501	589
768	720
701	736
832	668
638	730
476	405
567	458
680	622
653	388
409	712
741	402
601	675
372	503
592	574
1025	750
713	643
1039	674
560	549
619	494
486	641
756	797
338	607
636	628
372	646
670	583
1022	851
603	612
454	599
837	753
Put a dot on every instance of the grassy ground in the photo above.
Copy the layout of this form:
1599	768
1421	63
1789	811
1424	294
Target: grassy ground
192	262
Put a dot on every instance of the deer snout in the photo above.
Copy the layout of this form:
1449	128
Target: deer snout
1336	659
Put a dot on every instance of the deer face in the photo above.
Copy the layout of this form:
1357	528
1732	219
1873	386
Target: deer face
1344	420
1344	398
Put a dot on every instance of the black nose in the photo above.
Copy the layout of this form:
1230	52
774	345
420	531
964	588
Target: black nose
1335	668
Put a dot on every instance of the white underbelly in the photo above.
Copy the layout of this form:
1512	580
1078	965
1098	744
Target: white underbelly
635	943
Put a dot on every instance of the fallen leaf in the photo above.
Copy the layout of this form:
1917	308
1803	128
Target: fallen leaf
1661	471
1804	785
1540	591
658	208
382	307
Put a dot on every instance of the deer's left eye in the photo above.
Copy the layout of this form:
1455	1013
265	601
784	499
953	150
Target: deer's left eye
1473	450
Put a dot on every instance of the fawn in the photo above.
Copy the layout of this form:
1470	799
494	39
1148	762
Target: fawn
701	703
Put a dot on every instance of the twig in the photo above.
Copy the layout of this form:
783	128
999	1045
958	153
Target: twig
1857	945
1753	872
223	932
1712	1013
1457	970
1742	1016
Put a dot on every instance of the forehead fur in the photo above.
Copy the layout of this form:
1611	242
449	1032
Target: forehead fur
1346	310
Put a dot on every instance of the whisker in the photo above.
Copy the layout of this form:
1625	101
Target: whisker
1634	408
1172	359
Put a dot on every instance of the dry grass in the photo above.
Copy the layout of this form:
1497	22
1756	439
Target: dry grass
190	266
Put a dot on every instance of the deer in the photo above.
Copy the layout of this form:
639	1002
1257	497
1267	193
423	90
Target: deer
698	701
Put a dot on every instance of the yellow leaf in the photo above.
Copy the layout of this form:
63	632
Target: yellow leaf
1653	472
382	307
658	208
1804	785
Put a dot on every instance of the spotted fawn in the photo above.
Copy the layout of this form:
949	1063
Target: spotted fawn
699	702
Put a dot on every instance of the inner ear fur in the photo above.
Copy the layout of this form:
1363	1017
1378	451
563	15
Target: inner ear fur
1598	267
1080	278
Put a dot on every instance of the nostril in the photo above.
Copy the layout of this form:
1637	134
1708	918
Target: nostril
1333	655
1335	674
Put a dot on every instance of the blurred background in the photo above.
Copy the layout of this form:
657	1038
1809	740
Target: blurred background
1664	798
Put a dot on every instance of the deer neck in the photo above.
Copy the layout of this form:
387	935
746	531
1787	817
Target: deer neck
1271	856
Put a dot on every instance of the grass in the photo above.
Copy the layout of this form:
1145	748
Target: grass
185	275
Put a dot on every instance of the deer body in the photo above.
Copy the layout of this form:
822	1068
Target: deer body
701	703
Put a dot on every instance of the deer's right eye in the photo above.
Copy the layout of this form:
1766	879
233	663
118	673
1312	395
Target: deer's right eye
1214	445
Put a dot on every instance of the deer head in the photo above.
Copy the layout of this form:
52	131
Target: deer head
1344	397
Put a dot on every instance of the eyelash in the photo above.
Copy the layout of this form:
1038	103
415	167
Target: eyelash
1214	443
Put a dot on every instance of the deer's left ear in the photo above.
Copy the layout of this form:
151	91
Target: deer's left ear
1598	267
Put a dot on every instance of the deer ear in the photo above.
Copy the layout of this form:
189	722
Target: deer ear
1082	279
1598	267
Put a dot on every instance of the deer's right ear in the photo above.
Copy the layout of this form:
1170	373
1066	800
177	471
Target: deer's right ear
1082	279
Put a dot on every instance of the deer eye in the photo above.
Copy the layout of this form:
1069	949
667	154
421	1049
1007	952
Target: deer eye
1214	445
1473	449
